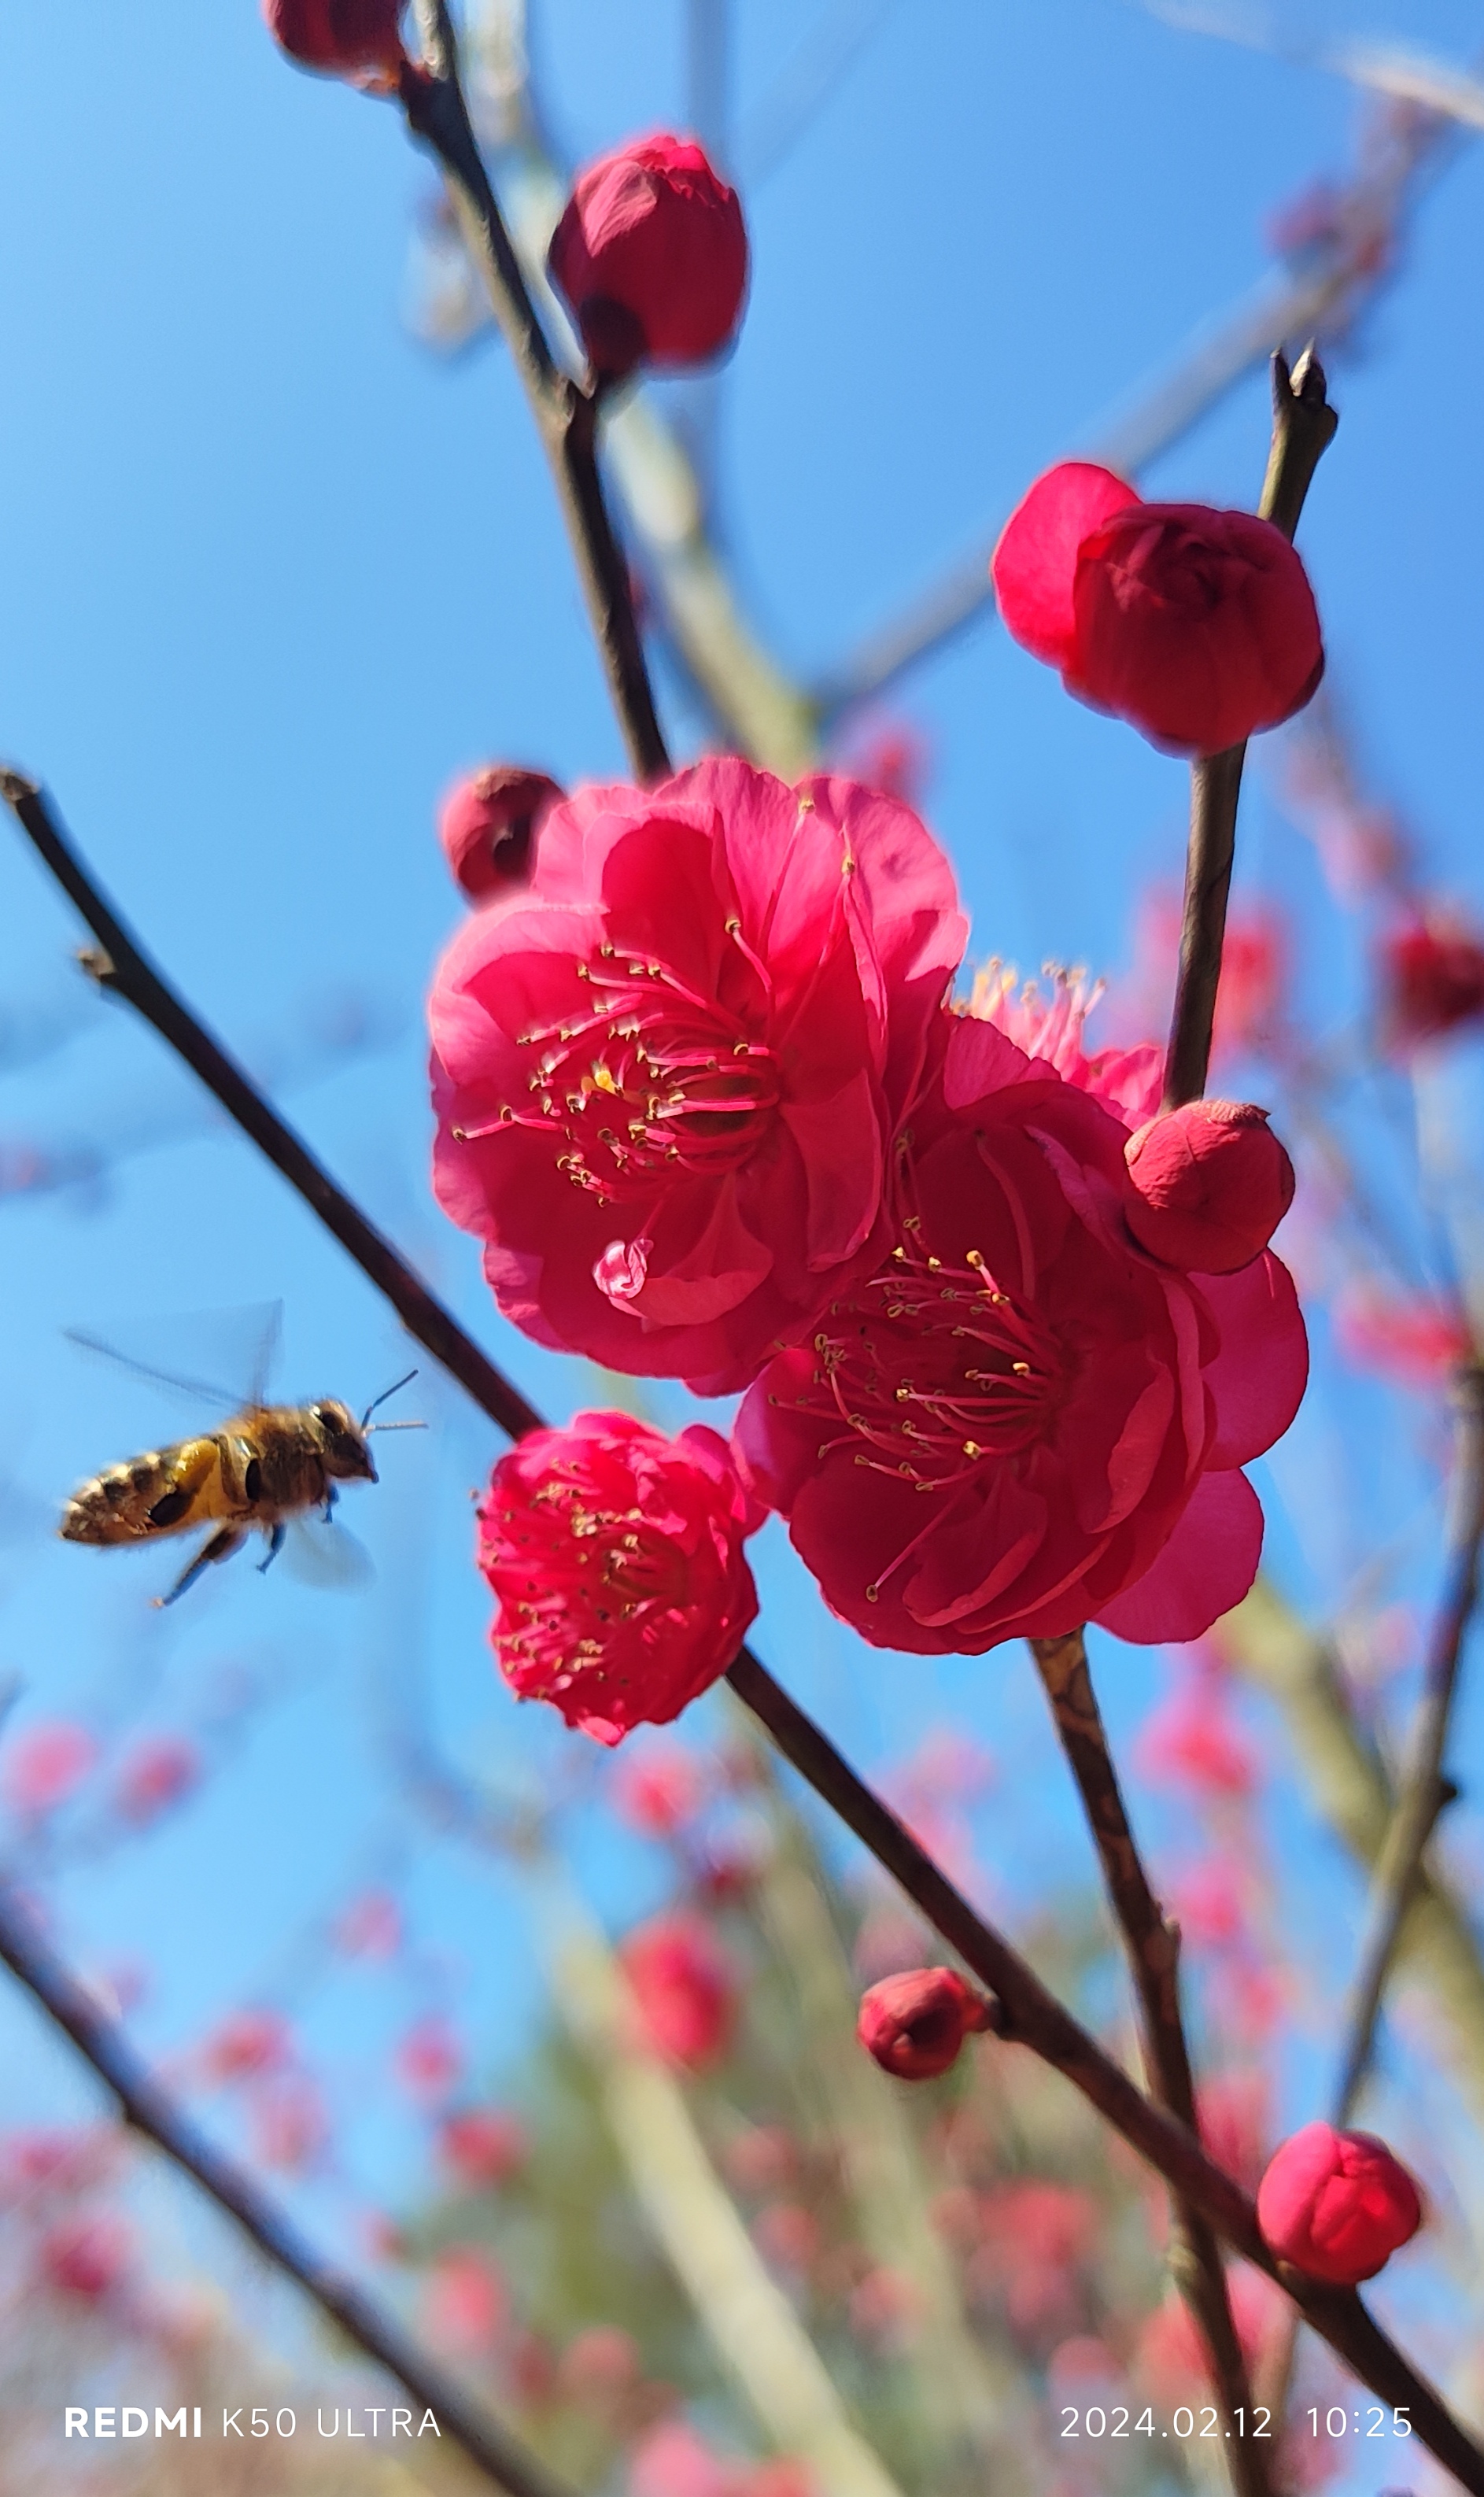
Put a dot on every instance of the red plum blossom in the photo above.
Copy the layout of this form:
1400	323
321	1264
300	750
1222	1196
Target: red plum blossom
1198	626
486	824
1020	1421
668	1075
616	1557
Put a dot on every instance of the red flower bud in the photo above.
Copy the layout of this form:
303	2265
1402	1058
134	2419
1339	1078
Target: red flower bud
915	2024
1337	2205
652	254
1432	977
351	38
1208	1186
1196	625
488	823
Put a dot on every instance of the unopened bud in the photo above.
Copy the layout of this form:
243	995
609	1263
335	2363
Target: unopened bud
915	2024
488	823
1208	1186
651	255
349	38
1337	2205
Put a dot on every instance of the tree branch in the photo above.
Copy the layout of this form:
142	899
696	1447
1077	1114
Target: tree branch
437	113
1152	1947
1037	2020
1304	426
151	2112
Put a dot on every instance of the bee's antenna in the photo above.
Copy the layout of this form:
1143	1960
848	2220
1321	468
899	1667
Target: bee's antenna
383	1398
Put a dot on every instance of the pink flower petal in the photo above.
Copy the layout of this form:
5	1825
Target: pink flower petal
1259	1377
1206	1568
1034	566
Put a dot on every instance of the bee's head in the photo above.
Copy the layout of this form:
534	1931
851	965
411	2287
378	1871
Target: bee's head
342	1442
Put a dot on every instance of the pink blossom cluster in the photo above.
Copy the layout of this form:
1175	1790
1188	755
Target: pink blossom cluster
1006	1345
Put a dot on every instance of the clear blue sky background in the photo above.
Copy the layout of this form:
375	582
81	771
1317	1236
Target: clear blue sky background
272	574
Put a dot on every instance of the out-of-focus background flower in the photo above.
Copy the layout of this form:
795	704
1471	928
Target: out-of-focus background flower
281	559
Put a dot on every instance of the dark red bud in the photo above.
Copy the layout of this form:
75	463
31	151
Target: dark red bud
350	38
488	824
915	2024
1337	2205
651	255
1208	1186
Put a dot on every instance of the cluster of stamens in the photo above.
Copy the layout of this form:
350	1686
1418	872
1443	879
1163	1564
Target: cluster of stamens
656	1080
592	1570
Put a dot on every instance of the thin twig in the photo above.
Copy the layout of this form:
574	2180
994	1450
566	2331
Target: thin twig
1423	1791
151	2112
1037	2020
1304	426
1153	1947
1422	1794
437	113
122	967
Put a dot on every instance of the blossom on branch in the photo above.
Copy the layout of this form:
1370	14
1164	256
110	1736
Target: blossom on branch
1020	1421
616	1557
1337	2205
668	1075
914	2025
1208	1186
650	252
1197	626
352	38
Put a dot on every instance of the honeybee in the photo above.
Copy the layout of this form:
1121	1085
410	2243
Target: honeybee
267	1465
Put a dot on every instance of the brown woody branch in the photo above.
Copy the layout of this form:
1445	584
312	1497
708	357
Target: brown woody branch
1153	1947
565	413
1036	2019
151	2112
1304	426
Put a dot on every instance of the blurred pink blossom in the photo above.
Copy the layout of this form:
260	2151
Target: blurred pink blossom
672	2460
659	1788
86	2255
1192	1740
429	2060
467	2305
787	2235
483	2146
45	1766
370	1927
1171	2357
244	2044
290	2122
1408	1337
156	1774
598	2366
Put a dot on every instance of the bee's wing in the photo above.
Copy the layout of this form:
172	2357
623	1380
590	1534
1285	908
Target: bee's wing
321	1553
193	1356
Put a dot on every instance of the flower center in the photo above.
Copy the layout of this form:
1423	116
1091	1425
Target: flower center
579	1572
657	1080
941	1370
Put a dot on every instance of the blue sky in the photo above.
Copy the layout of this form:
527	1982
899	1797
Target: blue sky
273	574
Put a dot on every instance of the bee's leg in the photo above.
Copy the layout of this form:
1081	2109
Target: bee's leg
219	1546
331	1494
276	1535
